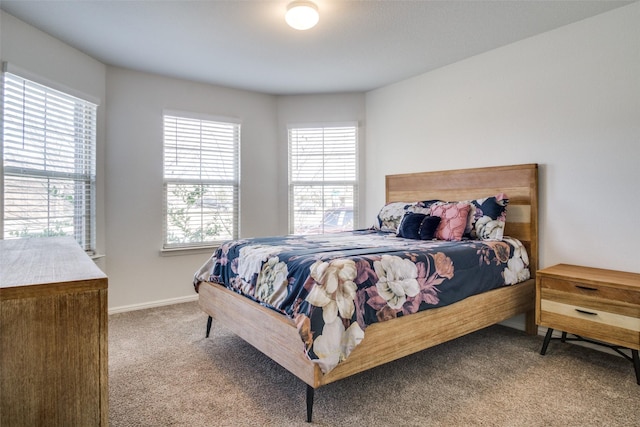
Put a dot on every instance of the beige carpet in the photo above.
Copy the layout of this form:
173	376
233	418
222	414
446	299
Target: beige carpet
163	372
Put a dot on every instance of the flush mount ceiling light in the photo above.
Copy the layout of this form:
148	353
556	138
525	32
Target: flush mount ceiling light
302	15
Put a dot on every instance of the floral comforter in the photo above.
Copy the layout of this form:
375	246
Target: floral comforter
335	285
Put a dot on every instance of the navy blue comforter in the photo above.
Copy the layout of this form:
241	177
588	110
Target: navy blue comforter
335	285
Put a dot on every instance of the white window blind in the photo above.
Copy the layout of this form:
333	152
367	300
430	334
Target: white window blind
201	180
323	183
49	163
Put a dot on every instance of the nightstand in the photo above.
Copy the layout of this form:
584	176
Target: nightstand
595	305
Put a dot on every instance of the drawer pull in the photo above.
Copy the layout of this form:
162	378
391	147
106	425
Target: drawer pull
586	288
586	312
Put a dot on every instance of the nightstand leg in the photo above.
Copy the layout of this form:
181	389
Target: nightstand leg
564	337
636	364
545	343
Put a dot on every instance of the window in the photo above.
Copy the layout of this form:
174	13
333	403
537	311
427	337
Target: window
49	163
323	183
201	180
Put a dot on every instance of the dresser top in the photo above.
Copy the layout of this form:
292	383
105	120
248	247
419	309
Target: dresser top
621	279
37	261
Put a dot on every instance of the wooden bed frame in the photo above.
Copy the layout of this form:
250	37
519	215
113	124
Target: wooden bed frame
277	337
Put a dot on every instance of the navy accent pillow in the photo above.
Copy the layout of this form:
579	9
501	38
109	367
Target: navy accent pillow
409	227
428	227
391	214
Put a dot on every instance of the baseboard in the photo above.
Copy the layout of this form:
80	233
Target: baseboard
152	304
516	322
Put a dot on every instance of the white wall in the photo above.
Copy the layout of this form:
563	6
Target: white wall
138	272
568	99
49	59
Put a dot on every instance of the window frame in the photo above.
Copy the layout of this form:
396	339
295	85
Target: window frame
354	184
52	134
234	183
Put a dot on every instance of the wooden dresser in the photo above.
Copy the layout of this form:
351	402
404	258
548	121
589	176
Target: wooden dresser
53	335
603	305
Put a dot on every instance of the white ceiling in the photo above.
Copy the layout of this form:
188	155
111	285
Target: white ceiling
357	46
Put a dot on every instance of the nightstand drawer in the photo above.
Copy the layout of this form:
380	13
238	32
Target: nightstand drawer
591	300
590	315
596	291
602	325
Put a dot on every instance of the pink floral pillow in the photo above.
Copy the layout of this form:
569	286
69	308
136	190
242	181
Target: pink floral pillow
453	220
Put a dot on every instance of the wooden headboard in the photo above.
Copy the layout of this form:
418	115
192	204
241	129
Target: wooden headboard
518	182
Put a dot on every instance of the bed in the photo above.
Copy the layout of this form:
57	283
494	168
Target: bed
279	335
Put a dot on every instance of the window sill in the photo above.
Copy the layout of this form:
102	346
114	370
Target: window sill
188	251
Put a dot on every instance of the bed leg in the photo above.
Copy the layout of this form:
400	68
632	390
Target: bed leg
209	320
530	326
310	391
